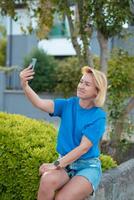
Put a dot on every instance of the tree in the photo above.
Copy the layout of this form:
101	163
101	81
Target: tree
105	16
121	94
132	6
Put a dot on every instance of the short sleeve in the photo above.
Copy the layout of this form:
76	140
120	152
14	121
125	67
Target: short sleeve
95	130
59	105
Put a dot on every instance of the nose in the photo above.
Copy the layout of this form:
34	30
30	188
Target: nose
81	85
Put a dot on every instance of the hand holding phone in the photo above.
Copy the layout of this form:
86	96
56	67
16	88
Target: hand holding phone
33	63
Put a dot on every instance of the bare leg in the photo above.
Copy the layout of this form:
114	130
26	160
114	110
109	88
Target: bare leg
50	182
77	188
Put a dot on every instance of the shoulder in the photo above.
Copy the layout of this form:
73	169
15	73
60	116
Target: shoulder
71	100
98	114
65	101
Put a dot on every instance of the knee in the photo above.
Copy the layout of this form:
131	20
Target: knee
61	196
48	181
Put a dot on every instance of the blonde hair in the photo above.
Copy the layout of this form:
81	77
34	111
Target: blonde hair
100	82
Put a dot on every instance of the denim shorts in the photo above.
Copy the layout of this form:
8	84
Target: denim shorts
88	168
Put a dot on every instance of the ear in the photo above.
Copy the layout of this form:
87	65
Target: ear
96	93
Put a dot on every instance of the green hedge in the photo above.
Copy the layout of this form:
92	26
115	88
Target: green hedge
107	162
24	145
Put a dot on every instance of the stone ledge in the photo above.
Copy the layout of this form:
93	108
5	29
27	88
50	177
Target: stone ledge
117	183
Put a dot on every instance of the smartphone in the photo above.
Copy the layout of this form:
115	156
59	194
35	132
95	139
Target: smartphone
33	63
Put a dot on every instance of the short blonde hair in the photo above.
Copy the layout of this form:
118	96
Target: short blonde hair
100	82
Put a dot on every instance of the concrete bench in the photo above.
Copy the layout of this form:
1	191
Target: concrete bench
117	183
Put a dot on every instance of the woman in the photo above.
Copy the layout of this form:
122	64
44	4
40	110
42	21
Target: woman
77	172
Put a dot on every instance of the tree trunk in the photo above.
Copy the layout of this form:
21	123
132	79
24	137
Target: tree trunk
119	126
103	42
89	56
86	57
74	38
132	6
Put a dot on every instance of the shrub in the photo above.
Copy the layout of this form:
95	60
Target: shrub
107	162
68	74
3	44
24	145
45	78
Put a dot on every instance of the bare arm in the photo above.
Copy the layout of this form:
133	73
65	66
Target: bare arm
43	104
76	153
68	158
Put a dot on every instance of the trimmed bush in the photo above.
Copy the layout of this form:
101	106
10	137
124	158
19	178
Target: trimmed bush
107	162
24	145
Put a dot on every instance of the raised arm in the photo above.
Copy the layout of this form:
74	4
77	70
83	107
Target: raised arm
43	104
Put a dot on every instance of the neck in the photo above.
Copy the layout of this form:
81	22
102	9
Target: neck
86	103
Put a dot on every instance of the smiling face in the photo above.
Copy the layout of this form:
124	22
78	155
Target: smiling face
86	88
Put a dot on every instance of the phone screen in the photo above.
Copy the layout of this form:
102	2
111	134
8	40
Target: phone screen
33	63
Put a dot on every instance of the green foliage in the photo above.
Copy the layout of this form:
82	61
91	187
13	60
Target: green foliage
44	78
8	7
109	16
121	82
24	145
3	45
68	74
107	162
120	91
105	16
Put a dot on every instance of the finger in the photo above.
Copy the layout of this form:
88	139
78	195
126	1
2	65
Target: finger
28	78
26	75
28	68
29	73
25	69
41	168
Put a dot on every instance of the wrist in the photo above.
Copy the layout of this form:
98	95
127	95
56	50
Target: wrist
56	163
24	85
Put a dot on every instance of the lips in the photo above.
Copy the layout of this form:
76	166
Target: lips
80	91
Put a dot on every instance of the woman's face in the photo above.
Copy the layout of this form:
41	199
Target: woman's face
86	88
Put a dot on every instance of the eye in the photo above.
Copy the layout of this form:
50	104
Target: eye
87	84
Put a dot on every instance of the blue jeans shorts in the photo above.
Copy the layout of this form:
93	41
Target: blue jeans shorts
88	168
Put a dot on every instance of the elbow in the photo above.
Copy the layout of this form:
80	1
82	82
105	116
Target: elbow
84	149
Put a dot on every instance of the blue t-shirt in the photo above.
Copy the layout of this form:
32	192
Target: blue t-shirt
76	122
